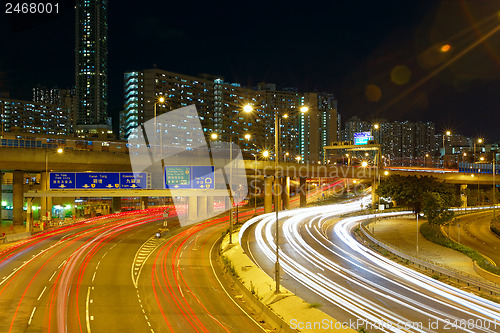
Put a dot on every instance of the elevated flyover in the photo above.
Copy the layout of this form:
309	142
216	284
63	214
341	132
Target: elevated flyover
19	161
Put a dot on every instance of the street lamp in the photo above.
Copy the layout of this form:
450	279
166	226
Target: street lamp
47	211
479	141
214	136
377	128
277	124
447	133
247	109
159	100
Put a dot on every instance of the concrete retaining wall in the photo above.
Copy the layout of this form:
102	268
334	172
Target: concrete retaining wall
487	275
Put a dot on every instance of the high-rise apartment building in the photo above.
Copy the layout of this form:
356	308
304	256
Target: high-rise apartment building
220	106
91	68
219	103
37	118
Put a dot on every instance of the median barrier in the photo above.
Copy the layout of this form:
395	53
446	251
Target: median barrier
16	237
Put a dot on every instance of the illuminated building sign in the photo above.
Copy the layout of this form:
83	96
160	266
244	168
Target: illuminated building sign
362	138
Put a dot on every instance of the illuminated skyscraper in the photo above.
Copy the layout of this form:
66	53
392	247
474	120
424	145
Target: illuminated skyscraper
91	69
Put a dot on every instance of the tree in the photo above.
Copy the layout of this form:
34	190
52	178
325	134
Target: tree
418	193
436	208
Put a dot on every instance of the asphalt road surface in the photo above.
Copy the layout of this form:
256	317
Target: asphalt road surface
324	264
110	274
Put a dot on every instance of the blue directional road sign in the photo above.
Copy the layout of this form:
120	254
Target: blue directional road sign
203	177
62	180
98	180
134	180
189	177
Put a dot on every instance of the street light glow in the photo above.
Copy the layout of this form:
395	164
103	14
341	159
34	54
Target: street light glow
376	126
479	140
304	109
445	48
364	164
265	153
214	136
247	136
161	99
248	108
386	173
60	150
298	158
448	133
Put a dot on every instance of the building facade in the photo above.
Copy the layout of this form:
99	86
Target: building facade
220	108
31	117
91	65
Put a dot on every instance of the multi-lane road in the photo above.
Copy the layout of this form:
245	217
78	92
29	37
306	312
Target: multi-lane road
111	274
474	231
324	264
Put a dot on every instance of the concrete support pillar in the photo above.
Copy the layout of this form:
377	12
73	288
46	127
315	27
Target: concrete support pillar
303	192
29	215
117	204
277	194
192	207
17	197
268	194
49	208
44	182
202	207
374	194
286	192
210	206
463	195
144	202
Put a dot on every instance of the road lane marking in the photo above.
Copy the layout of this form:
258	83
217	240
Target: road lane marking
41	293
31	317
87	311
93	277
52	276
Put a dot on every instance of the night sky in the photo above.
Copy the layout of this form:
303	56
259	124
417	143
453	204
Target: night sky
381	59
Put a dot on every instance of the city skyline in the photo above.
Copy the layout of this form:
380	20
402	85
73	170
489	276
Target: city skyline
367	58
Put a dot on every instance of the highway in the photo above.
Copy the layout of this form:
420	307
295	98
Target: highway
474	231
110	274
324	264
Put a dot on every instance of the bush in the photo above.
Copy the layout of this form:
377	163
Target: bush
314	306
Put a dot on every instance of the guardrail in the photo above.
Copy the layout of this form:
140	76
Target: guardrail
471	281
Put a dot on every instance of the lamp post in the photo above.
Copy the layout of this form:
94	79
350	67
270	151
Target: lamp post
277	124
479	141
48	212
377	128
447	133
159	100
247	109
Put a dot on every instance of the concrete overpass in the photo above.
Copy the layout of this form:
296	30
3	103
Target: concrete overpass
28	160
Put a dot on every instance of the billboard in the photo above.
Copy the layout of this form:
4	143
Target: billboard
362	138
